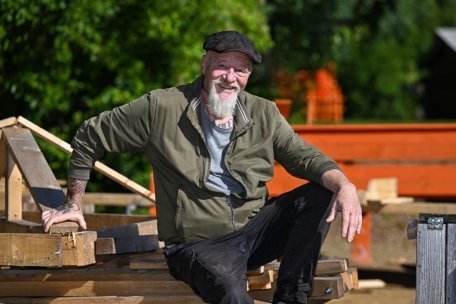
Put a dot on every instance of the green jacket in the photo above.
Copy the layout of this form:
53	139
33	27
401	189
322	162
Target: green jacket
164	126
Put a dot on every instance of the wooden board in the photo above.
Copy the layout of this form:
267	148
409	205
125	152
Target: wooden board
20	226
153	299
430	265
2	155
39	178
19	249
13	187
324	267
78	249
8	122
116	199
136	229
129	244
451	264
97	221
412	209
91	288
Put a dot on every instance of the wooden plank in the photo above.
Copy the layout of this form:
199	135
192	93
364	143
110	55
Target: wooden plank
430	265
78	249
19	226
324	267
2	155
97	221
149	299
13	187
353	272
85	274
260	281
116	199
105	170
91	288
318	292
451	264
40	180
127	244
30	249
321	285
8	122
412	209
331	267
136	229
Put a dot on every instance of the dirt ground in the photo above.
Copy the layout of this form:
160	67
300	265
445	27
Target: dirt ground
393	261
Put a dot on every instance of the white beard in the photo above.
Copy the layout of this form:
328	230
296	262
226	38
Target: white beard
219	107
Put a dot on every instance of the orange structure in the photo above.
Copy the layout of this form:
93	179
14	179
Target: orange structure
421	156
325	101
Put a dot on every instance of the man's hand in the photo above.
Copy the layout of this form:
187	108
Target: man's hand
70	211
346	202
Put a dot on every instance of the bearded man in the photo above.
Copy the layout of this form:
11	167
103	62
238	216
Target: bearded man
212	146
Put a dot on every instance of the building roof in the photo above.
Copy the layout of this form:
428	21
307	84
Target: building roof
448	35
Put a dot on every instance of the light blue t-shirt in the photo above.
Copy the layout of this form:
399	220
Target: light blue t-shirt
217	140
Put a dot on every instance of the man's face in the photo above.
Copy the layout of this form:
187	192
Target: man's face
228	72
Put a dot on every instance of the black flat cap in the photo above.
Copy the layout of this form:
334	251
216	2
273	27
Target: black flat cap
227	41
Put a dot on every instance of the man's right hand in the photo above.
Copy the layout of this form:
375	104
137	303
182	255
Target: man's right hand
70	211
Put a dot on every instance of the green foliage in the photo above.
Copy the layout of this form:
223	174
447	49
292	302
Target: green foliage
65	61
377	44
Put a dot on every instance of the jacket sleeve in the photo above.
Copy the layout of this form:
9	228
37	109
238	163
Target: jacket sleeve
299	158
123	129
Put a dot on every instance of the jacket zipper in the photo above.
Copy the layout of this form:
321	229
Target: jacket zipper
228	202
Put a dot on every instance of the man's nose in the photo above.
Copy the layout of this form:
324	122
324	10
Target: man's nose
231	75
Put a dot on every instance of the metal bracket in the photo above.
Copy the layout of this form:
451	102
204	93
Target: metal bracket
435	223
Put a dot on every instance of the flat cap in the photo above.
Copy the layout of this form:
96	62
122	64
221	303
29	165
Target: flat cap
227	41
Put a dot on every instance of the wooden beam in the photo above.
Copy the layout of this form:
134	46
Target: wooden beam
13	187
8	122
91	288
78	249
150	260
412	208
39	178
150	299
19	226
22	249
127	244
2	155
136	229
451	264
105	170
97	221
116	199
324	267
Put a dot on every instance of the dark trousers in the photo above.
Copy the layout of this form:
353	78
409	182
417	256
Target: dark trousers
292	224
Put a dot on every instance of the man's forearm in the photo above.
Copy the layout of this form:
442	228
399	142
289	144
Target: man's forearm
76	190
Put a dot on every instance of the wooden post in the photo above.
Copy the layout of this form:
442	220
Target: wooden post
2	155
13	187
451	264
430	265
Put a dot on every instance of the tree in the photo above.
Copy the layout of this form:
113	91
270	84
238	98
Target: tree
65	61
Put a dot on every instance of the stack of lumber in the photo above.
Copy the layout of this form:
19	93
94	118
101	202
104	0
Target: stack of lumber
143	278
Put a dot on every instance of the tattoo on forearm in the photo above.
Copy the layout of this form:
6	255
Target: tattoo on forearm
76	189
68	206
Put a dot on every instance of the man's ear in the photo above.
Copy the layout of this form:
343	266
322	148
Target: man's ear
203	64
